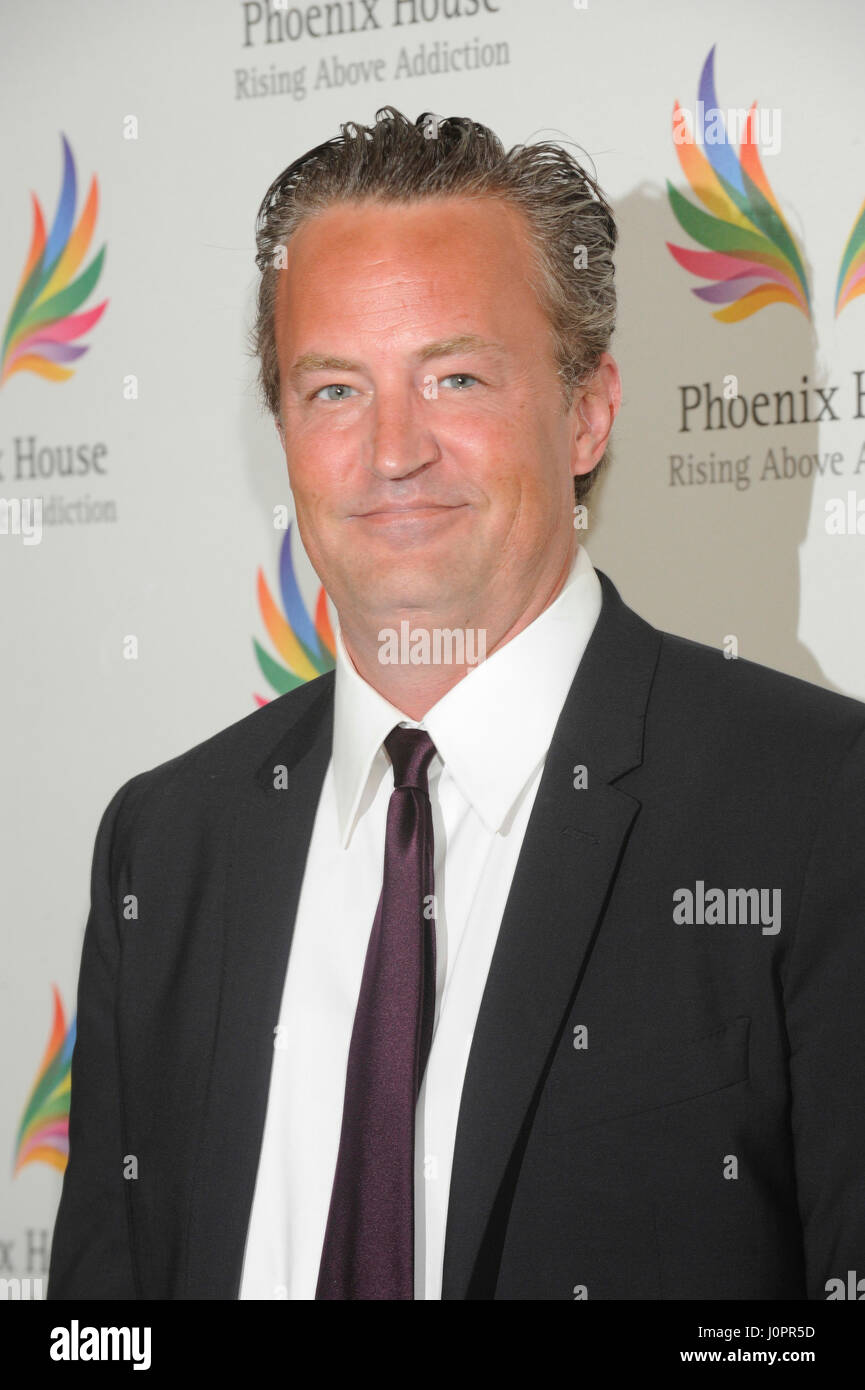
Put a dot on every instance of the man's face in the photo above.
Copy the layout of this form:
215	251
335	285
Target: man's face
429	452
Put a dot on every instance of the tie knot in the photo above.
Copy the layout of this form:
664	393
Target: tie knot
411	751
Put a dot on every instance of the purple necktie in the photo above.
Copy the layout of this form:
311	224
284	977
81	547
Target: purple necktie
369	1241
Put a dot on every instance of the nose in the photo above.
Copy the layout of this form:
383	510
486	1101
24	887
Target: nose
400	441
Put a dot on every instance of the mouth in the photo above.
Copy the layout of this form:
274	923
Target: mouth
391	515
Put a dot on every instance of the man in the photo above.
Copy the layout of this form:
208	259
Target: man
534	977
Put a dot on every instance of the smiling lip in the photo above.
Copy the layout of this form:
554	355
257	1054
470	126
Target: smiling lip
394	513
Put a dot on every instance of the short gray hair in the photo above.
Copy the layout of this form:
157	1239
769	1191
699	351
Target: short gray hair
572	230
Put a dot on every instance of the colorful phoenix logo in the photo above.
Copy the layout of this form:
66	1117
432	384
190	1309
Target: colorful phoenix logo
851	276
42	325
43	1135
308	648
752	259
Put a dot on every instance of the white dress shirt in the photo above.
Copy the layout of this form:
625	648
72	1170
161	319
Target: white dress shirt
492	731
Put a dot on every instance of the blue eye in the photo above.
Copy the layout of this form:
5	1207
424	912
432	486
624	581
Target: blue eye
466	376
332	386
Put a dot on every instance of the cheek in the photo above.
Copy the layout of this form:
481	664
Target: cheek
476	430
315	474
485	452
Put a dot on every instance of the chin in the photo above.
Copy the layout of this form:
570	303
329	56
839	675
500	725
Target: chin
391	592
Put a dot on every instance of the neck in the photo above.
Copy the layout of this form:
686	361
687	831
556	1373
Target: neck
415	688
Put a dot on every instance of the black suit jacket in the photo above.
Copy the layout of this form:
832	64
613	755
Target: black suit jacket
708	1141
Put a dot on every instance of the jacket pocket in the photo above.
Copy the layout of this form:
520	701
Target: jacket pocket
586	1087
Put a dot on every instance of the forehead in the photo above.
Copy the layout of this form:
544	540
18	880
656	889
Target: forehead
433	255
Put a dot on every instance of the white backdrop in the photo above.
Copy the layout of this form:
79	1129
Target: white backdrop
184	113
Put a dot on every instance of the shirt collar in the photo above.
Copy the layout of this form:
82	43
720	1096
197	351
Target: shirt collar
492	729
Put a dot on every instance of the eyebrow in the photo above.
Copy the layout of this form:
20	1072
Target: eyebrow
442	347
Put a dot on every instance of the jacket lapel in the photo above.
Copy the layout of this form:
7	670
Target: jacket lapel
564	872
270	839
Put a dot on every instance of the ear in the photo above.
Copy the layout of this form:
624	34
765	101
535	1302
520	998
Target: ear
595	406
280	431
